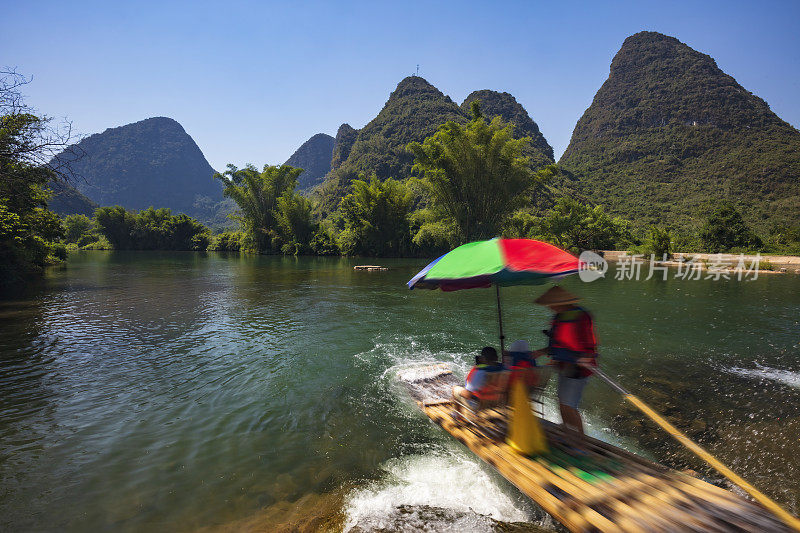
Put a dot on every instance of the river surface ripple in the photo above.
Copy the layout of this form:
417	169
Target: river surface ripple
180	391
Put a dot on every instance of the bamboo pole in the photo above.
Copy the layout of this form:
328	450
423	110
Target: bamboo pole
698	450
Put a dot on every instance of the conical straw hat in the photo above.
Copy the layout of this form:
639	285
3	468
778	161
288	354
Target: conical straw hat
556	296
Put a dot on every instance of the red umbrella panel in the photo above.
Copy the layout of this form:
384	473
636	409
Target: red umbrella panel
501	262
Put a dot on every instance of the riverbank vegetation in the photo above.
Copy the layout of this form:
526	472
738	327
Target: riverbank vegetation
470	181
393	218
273	216
116	228
30	235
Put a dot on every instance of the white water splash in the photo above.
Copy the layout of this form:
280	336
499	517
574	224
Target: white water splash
464	495
422	372
410	358
401	350
444	489
787	377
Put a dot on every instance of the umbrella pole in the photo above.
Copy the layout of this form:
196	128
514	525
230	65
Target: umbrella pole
500	321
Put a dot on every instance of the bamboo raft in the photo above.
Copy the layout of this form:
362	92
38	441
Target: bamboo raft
594	487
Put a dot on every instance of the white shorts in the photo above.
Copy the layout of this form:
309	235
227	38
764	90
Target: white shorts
570	390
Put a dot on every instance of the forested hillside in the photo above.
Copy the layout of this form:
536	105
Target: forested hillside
668	136
342	145
314	157
153	162
414	111
669	133
67	200
505	106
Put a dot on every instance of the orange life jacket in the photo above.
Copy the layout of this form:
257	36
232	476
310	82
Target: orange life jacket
489	390
525	370
573	330
571	337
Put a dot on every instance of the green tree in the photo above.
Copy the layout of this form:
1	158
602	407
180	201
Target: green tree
76	226
186	233
324	241
116	224
294	221
474	178
783	239
151	229
725	229
257	194
659	242
571	225
228	241
30	235
373	218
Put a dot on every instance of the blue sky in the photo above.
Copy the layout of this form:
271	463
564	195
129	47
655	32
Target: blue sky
252	81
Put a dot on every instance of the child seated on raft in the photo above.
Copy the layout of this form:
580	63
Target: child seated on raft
486	382
521	361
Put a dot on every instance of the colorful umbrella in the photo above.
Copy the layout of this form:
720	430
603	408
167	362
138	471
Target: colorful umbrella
498	262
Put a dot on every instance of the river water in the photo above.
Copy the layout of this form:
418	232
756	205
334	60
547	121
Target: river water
183	391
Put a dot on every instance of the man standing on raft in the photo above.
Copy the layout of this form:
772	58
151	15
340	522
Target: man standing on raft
572	348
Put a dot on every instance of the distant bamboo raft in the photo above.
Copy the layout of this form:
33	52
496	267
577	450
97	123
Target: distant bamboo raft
598	487
370	267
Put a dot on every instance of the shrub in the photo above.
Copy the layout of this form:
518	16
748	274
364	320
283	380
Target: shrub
323	242
151	229
374	219
100	244
229	241
725	229
76	227
87	239
573	226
